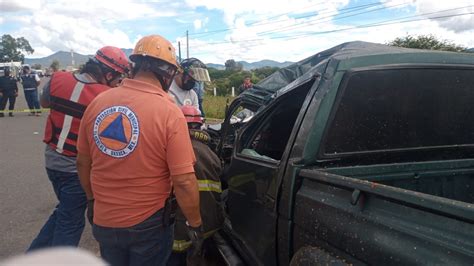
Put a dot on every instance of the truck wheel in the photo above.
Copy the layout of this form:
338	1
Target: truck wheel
315	256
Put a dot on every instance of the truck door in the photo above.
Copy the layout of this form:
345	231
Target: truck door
252	177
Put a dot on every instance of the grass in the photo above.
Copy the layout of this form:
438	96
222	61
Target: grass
214	106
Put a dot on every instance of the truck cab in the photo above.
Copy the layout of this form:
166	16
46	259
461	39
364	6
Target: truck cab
363	154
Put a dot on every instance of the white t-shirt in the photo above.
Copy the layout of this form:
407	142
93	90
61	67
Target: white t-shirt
183	97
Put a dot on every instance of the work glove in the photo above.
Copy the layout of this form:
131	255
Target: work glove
197	238
90	211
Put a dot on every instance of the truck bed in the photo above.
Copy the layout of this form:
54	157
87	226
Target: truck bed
412	216
449	179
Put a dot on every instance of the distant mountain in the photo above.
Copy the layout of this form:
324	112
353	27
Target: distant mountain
264	63
258	64
65	60
470	50
216	66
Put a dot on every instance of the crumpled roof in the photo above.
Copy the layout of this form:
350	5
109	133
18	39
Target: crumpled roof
346	50
285	78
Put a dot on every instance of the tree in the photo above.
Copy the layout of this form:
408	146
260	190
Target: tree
12	49
224	80
429	42
264	72
36	66
236	79
54	65
231	65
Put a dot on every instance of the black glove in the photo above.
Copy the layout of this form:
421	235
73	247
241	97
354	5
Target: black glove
90	211
197	238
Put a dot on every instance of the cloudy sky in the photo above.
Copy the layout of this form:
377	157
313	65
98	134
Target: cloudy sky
251	30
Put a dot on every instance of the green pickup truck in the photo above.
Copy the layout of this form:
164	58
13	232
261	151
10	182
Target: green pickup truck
362	154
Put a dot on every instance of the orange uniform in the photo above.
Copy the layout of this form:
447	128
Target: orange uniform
137	138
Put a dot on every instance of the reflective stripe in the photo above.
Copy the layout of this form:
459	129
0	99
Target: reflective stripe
77	92
209	185
239	180
68	119
181	245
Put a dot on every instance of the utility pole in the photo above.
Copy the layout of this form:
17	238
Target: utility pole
187	45
72	58
179	51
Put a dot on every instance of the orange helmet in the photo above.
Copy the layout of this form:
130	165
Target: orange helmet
191	114
114	58
156	47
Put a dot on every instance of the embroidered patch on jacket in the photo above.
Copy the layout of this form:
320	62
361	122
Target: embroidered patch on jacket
116	131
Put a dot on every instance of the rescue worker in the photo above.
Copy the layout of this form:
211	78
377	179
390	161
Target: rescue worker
68	95
9	92
190	72
133	144
30	83
208	169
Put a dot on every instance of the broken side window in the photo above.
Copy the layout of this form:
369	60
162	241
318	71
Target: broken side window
268	137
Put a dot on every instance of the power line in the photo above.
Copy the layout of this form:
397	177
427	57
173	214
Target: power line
261	22
251	23
371	25
385	23
320	20
376	23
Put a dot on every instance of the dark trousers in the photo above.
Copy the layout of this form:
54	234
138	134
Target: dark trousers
147	243
32	100
3	103
65	225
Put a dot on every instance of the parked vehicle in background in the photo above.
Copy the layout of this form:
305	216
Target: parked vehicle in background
15	68
361	154
48	72
39	72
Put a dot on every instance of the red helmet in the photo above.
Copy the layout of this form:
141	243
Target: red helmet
191	114
114	58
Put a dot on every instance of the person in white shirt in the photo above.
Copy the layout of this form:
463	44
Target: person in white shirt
192	70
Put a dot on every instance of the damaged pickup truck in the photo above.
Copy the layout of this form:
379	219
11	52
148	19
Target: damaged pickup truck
362	154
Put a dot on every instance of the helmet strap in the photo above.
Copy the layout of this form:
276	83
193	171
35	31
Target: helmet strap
162	81
107	81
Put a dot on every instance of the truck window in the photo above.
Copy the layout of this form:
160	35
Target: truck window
406	109
268	139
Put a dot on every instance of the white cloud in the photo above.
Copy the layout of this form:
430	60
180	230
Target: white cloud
430	9
15	6
254	10
83	26
197	24
267	29
250	24
457	24
251	41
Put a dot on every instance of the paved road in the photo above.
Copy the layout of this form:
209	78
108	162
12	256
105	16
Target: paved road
26	196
